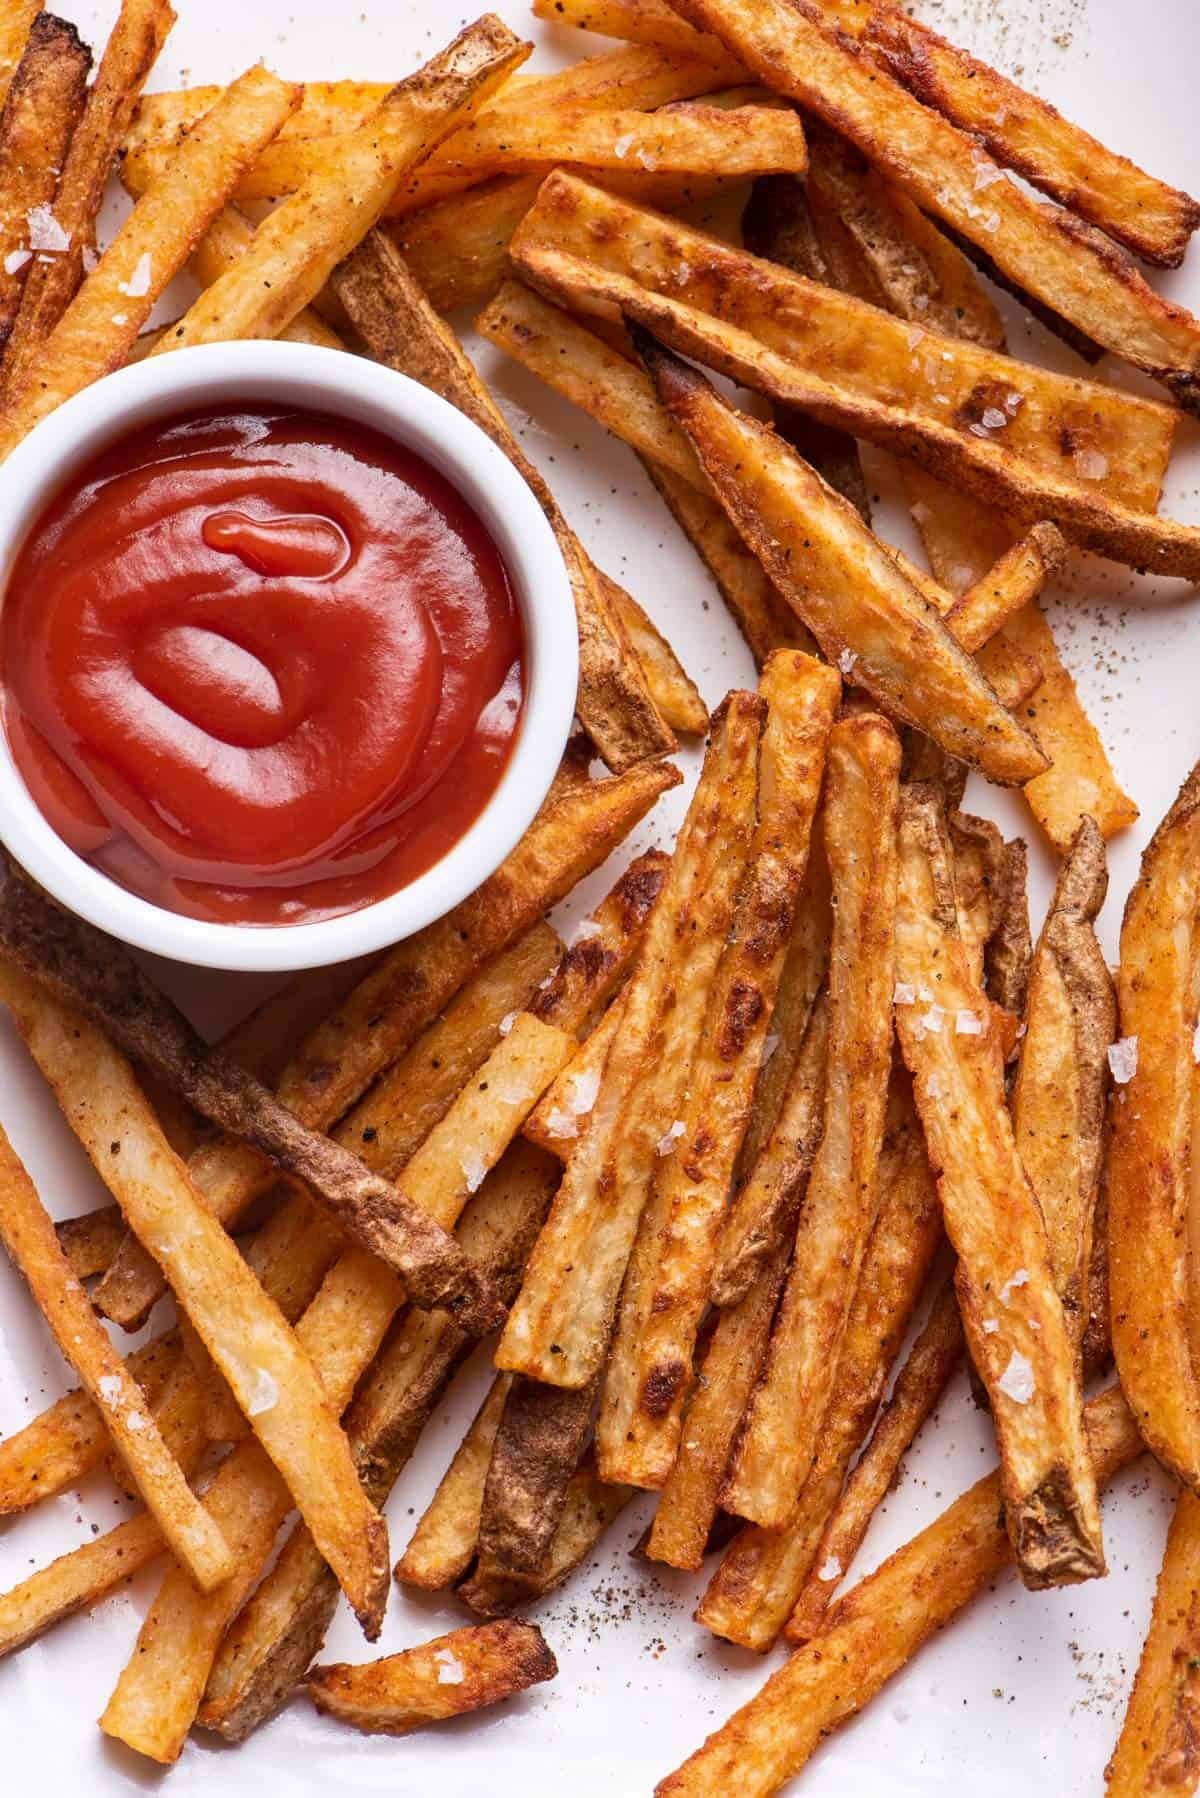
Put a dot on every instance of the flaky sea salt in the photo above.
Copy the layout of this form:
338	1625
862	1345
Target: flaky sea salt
1020	1278
968	1023
136	1422
262	1393
1196	1045
994	418
562	1125
474	1168
666	1143
450	1669
582	1091
990	1326
110	1386
45	232
587	929
904	994
1016	1382
507	1022
138	283
1123	1059
622	146
831	1570
933	1020
16	260
847	661
1090	465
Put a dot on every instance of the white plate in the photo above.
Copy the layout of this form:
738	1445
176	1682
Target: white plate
1026	1692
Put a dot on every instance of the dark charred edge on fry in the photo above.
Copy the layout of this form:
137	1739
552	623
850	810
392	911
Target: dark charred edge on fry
1084	346
590	967
92	972
1049	1535
543	1433
1008	956
524	1659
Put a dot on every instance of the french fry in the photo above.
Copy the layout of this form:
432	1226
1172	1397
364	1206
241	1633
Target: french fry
28	1235
752	1592
1008	957
51	282
562	1115
931	1361
297	247
590	1506
672	688
275	1383
401	329
1012	1314
1008	587
1151	1177
463	1671
283	1625
457	249
45	99
91	1240
100	327
89	970
876	1629
1156	1750
15	25
1097	1333
1027	134
1061	1086
785	1417
160	1689
666	1288
442	1546
559	1328
1052	255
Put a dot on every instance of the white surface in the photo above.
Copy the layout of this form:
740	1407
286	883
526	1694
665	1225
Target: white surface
323	380
1023	1694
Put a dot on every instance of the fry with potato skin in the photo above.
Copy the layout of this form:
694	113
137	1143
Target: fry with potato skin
786	1414
589	1507
1157	1752
1150	1189
442	1546
15	26
1009	585
672	688
950	1042
455	1673
876	1629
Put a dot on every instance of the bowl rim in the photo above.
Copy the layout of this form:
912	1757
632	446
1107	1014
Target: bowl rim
368	393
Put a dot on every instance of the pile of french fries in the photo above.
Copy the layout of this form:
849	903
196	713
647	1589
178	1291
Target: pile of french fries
797	1091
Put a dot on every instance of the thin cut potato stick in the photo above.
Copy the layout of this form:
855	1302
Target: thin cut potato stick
442	1546
100	327
590	1506
558	1330
160	1689
45	99
457	249
786	1415
274	1381
1008	957
875	1630
29	1237
672	688
1061	1086
455	1673
931	1361
563	1113
281	1628
16	22
634	21
402	330
650	1365
1009	585
1060	261
1013	1317
1156	1753
1027	134
51	281
1152	1177
297	247
77	1580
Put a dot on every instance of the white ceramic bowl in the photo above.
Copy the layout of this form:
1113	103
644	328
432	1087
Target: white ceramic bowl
327	381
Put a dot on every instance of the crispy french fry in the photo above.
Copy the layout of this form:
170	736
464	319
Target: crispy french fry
442	1546
1058	1098
590	1507
401	329
1012	1314
457	249
875	1630
1156	1751
1151	1178
931	1361
91	1240
463	1671
1052	255
1027	134
99	328
785	1417
563	1114
1016	578
544	1430
15	25
51	281
1008	957
559	1328
45	99
666	1288
672	688
281	1628
28	1235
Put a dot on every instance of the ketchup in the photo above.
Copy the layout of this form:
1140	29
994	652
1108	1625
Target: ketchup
260	667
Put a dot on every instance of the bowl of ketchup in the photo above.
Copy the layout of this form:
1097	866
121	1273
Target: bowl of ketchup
288	656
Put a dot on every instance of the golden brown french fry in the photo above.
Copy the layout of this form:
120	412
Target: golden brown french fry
401	328
1156	1751
666	1287
463	1671
1009	585
563	1114
559	1328
672	688
590	1507
1012	1314
28	1235
275	1383
934	1356
875	1630
91	1240
442	1546
1061	1087
1027	134
784	1421
16	22
45	99
51	281
1060	261
457	249
99	328
76	1580
1151	1178
297	247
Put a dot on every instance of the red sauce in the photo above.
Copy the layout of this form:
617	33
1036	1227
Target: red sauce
261	667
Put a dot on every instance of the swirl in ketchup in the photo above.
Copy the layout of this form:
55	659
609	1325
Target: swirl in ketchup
261	667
